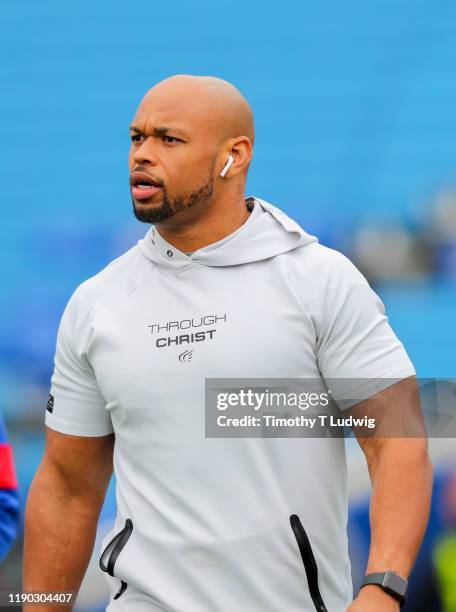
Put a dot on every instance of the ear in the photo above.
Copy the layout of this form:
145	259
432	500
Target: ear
241	150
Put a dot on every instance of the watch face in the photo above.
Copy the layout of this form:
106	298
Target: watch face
395	583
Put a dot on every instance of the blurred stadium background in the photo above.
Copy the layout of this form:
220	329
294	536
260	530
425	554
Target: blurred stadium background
356	139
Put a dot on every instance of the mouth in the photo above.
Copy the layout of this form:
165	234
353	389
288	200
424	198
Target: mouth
144	185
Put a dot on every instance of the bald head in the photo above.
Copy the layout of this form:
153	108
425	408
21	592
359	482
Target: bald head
226	111
185	131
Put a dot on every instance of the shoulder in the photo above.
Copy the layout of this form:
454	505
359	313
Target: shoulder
324	267
120	277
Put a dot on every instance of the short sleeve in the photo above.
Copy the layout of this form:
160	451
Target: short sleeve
76	405
355	340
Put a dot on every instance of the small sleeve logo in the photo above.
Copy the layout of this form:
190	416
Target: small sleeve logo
50	403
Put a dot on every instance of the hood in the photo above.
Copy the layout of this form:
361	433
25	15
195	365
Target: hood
266	233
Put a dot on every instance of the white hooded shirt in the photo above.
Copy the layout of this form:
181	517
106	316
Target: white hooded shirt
203	524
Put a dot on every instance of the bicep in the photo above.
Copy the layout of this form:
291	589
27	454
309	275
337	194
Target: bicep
83	465
397	415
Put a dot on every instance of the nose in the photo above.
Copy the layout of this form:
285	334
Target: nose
145	154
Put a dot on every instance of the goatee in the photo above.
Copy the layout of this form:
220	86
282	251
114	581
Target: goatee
169	207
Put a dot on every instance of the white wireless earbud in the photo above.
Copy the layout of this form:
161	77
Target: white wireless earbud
228	165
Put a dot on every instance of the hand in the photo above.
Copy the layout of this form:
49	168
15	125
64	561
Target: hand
373	598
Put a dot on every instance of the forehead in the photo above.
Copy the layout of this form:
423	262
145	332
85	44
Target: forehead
182	111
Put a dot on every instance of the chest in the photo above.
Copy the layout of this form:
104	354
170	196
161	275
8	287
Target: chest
167	336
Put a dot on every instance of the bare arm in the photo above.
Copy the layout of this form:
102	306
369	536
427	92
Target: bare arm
62	511
401	475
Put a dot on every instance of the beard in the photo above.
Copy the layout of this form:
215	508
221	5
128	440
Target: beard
170	206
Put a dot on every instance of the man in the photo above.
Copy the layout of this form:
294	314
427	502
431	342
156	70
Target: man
9	495
221	286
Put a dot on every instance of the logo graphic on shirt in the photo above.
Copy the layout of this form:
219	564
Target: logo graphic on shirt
50	403
186	356
183	332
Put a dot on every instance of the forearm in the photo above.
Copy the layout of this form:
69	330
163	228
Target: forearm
401	478
60	529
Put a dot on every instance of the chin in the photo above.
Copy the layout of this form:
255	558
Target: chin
151	212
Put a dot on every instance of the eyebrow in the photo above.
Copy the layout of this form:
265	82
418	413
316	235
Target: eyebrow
160	131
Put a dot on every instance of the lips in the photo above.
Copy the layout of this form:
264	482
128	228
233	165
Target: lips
143	185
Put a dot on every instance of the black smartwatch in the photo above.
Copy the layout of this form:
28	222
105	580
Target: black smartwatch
390	582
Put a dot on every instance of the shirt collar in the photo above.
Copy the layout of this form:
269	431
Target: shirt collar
178	258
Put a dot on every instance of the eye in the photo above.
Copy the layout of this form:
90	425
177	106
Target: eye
134	137
170	139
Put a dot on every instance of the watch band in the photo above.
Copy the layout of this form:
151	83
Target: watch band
390	582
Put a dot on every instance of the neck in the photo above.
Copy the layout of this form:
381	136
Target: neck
196	227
